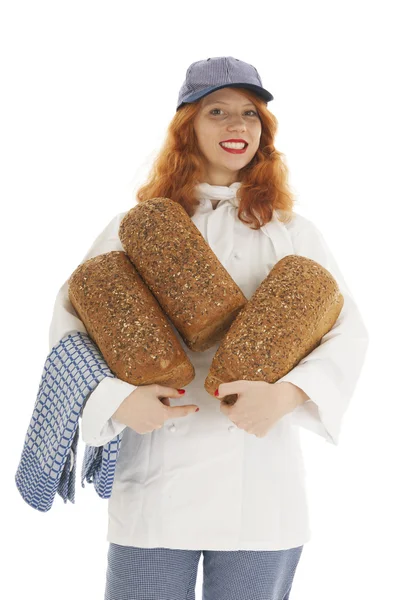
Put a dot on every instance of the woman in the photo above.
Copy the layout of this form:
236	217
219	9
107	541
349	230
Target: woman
225	481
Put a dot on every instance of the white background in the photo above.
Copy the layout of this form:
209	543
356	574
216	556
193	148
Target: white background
88	90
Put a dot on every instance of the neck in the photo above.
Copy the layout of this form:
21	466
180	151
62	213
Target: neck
220	182
223	179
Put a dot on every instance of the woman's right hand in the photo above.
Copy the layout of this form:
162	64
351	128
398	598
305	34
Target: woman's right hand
148	407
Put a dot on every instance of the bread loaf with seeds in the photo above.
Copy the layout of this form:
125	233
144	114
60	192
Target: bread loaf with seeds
126	322
191	285
285	319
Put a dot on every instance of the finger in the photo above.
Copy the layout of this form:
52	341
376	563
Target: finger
164	391
231	387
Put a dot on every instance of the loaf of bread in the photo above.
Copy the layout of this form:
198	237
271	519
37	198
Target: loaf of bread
285	319
178	266
126	322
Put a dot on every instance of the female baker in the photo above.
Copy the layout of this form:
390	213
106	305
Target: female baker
200	477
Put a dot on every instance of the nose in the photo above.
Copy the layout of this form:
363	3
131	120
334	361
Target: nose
237	125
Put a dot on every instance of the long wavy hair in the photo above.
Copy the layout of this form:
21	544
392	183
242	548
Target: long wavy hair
178	168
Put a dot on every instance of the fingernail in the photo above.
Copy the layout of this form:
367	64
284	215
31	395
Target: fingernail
197	409
216	393
181	391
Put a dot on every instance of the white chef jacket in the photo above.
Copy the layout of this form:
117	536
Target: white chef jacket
200	482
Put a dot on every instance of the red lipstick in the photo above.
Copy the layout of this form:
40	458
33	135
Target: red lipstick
235	150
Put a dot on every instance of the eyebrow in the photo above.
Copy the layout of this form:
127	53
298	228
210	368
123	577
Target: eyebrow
219	102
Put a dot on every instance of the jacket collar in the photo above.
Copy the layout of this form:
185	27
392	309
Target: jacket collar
205	192
227	195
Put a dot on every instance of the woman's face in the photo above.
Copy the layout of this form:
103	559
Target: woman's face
226	114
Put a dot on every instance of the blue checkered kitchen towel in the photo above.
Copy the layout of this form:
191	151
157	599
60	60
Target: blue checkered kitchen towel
73	369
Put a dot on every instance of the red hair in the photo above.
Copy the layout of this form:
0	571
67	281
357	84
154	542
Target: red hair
178	168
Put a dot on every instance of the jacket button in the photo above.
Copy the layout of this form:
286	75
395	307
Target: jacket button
172	427
231	428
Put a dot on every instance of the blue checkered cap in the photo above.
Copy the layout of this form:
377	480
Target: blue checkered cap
206	76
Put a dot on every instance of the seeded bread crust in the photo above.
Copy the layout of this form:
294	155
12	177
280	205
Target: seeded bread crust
126	322
285	319
178	266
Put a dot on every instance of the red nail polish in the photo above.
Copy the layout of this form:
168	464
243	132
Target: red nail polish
197	409
216	393
181	391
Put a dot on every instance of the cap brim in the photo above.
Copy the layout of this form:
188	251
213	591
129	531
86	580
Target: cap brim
254	88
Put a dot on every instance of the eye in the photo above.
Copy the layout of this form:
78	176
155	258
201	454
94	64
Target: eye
247	111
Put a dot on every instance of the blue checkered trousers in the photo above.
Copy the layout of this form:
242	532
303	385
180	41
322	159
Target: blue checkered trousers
73	369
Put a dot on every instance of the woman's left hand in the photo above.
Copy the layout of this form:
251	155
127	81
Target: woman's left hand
259	404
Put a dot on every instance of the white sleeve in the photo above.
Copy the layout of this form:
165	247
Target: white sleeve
65	319
329	374
98	427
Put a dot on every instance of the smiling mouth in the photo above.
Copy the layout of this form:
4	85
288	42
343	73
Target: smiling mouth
235	150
